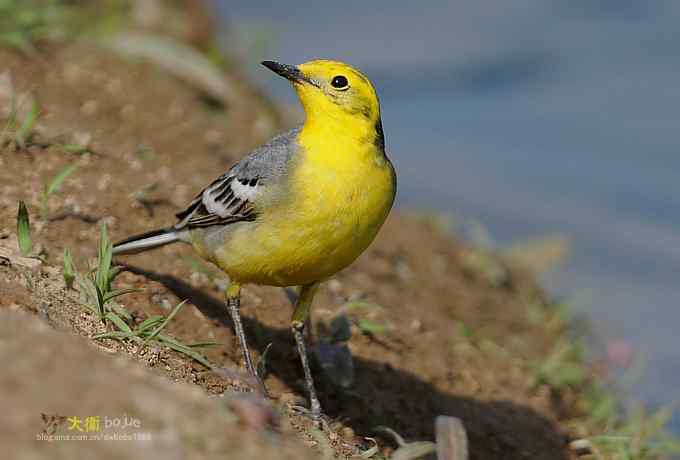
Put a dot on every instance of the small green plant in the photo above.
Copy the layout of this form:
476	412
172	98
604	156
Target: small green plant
635	435
613	431
23	23
150	329
99	285
100	302
24	230
23	134
76	149
366	326
20	136
486	266
69	269
607	429
164	323
563	367
53	187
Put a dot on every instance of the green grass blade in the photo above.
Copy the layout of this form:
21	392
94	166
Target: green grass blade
203	344
85	286
104	265
23	230
261	369
166	339
113	272
119	292
59	179
149	323
121	311
69	269
91	308
99	299
164	323
370	327
181	348
116	335
27	125
118	322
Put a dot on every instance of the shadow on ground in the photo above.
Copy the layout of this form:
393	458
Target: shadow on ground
391	397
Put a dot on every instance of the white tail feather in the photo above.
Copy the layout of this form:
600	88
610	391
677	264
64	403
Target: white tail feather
143	243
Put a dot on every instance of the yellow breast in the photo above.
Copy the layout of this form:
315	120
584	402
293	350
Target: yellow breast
339	194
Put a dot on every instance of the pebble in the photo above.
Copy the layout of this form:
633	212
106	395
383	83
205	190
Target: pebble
104	182
335	286
89	108
176	110
127	111
114	86
213	137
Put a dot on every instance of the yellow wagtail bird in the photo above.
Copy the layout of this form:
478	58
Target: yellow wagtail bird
300	208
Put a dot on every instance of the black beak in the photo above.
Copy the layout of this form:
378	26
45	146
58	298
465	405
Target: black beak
289	72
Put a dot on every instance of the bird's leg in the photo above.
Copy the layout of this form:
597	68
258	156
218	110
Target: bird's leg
233	304
293	295
300	316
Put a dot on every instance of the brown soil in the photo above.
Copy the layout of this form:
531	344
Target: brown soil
458	342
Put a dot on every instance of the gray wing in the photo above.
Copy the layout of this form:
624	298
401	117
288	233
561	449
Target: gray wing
230	197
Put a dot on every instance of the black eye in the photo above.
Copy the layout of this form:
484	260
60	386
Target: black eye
339	82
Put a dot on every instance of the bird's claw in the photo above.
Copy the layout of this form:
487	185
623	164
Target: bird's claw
316	417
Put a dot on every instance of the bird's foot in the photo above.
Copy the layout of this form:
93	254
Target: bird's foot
251	380
318	419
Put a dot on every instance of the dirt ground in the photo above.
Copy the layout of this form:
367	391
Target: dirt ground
458	340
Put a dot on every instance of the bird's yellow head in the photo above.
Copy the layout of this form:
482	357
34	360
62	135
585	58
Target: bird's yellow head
333	90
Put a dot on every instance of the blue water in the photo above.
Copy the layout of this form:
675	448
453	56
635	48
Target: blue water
532	117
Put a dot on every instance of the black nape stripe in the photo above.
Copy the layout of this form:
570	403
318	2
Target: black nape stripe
379	140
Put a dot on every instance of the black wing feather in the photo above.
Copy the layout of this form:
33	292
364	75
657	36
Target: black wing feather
221	192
